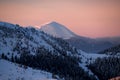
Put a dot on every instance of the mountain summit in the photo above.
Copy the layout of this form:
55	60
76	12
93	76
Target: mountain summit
57	30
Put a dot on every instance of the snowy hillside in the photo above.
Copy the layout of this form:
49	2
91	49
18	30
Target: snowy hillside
12	71
34	48
42	52
15	40
57	30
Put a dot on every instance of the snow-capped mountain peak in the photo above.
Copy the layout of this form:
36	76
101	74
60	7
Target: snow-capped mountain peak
57	30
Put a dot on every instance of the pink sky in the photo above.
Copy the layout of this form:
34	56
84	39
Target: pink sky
86	18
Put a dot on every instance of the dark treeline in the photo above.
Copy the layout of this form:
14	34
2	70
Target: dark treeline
106	68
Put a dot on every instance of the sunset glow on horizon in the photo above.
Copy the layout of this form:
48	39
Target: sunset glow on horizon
100	18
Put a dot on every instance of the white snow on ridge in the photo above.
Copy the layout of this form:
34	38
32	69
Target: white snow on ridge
11	71
57	30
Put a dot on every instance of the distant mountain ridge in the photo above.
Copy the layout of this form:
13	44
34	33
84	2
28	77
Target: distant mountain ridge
83	43
112	51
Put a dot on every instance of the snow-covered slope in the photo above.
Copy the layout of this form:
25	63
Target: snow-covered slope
57	30
34	48
15	40
18	43
12	71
